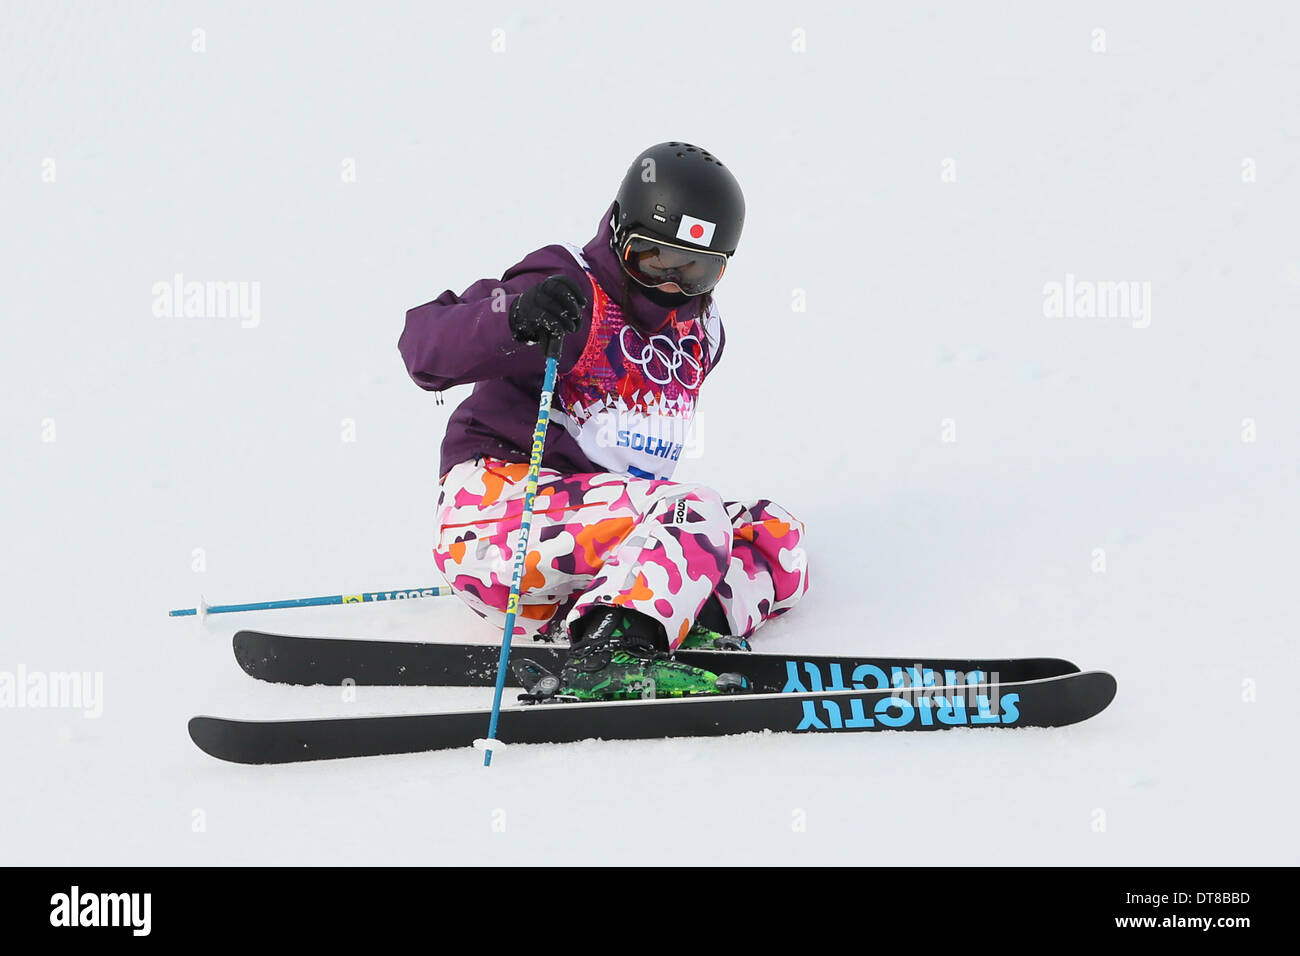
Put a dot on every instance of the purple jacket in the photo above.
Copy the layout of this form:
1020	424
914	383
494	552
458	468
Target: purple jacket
462	339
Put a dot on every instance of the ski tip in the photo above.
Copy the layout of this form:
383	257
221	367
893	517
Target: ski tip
202	733
1107	683
246	646
211	735
1092	692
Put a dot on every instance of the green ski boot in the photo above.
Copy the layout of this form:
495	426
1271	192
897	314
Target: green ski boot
617	659
709	632
700	638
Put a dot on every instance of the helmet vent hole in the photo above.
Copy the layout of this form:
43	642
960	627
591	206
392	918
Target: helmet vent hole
681	155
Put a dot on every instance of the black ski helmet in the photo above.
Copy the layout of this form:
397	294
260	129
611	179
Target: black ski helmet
674	180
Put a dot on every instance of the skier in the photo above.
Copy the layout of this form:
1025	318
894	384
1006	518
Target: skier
625	563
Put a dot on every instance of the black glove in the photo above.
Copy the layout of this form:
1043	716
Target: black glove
549	309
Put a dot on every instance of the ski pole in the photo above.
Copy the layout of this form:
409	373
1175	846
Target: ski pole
395	595
553	346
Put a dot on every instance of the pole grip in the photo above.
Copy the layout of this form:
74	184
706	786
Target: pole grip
554	345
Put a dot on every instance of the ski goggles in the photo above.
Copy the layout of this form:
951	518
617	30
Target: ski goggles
654	262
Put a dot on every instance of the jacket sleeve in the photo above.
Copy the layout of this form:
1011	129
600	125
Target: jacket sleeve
459	339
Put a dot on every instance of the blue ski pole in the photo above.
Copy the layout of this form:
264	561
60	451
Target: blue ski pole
553	346
393	595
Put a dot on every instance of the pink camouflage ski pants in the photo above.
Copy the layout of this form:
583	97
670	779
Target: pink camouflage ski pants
658	547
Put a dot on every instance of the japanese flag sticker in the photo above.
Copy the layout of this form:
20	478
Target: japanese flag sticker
698	231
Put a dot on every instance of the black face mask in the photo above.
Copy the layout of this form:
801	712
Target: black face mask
667	300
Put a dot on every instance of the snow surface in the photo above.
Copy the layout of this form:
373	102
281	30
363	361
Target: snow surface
924	302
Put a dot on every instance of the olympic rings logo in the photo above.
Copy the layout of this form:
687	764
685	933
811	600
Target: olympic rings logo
671	356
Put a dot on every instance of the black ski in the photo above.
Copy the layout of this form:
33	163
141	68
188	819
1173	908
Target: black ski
284	659
1049	702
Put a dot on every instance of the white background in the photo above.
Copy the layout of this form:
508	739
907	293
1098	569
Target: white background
924	303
